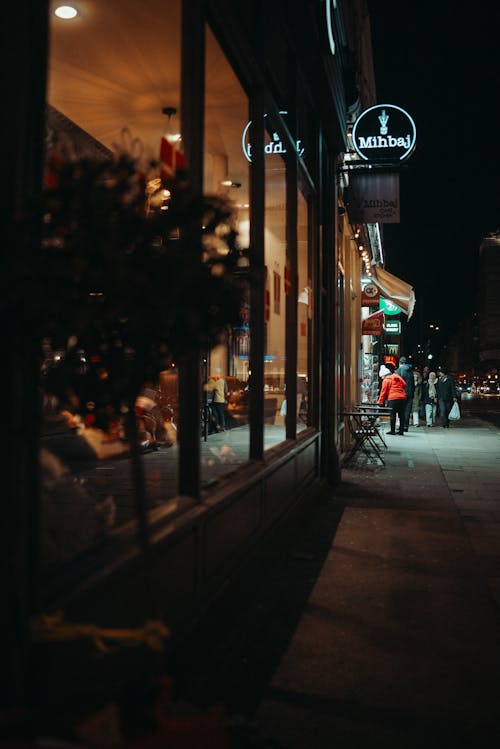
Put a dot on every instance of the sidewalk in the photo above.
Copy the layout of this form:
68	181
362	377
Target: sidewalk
398	644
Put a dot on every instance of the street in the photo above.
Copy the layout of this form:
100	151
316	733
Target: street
484	407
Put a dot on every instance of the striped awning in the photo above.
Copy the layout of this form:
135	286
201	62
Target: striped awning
393	288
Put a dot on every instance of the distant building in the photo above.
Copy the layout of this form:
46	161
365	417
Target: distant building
489	300
462	350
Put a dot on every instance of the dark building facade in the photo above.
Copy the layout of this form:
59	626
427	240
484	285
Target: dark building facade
255	99
489	304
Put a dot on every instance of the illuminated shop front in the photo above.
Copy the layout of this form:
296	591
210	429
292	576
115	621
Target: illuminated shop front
101	102
257	118
381	137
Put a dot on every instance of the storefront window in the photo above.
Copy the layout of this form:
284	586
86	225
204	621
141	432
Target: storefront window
113	86
278	275
304	313
225	369
340	358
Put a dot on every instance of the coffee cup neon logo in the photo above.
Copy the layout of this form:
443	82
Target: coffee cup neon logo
384	132
275	145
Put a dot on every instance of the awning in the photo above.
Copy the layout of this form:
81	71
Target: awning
395	290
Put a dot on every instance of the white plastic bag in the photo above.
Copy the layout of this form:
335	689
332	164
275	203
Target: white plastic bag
454	414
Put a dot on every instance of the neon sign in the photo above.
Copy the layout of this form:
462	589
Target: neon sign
393	327
330	6
275	145
384	132
389	307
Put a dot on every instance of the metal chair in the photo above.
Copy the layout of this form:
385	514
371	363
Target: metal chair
363	437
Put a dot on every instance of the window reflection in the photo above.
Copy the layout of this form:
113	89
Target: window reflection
277	279
225	369
105	96
304	313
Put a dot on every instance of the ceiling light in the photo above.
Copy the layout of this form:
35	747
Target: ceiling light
66	12
172	135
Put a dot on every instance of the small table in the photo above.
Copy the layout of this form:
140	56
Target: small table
371	412
364	432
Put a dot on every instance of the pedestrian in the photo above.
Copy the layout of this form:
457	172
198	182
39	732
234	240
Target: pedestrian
425	380
218	386
446	394
429	398
417	397
405	371
393	392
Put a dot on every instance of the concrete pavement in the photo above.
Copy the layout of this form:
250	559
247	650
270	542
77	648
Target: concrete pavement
373	618
398	642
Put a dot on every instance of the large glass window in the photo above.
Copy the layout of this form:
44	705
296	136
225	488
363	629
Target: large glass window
113	85
278	276
225	369
304	313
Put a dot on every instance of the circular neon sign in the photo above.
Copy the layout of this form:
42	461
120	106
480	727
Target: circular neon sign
384	133
274	145
370	290
330	6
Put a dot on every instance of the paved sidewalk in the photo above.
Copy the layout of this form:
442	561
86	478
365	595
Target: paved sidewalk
398	644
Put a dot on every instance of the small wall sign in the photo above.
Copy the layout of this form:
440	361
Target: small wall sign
393	327
384	133
370	295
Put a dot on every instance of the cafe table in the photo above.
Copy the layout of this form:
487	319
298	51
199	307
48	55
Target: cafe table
364	428
372	413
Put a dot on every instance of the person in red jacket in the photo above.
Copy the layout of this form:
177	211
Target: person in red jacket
393	392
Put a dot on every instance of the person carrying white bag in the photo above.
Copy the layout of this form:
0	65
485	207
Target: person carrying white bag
447	397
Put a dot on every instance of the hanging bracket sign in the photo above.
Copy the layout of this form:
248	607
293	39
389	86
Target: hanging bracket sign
373	324
384	133
370	295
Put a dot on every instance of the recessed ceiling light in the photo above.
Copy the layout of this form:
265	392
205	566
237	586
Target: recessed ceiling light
66	11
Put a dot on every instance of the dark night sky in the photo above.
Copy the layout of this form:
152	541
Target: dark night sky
440	62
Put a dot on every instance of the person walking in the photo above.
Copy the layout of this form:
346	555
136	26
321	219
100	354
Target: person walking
393	392
425	381
405	371
417	397
218	386
429	399
446	395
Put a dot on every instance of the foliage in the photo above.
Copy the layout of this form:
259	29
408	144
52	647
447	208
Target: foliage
135	272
